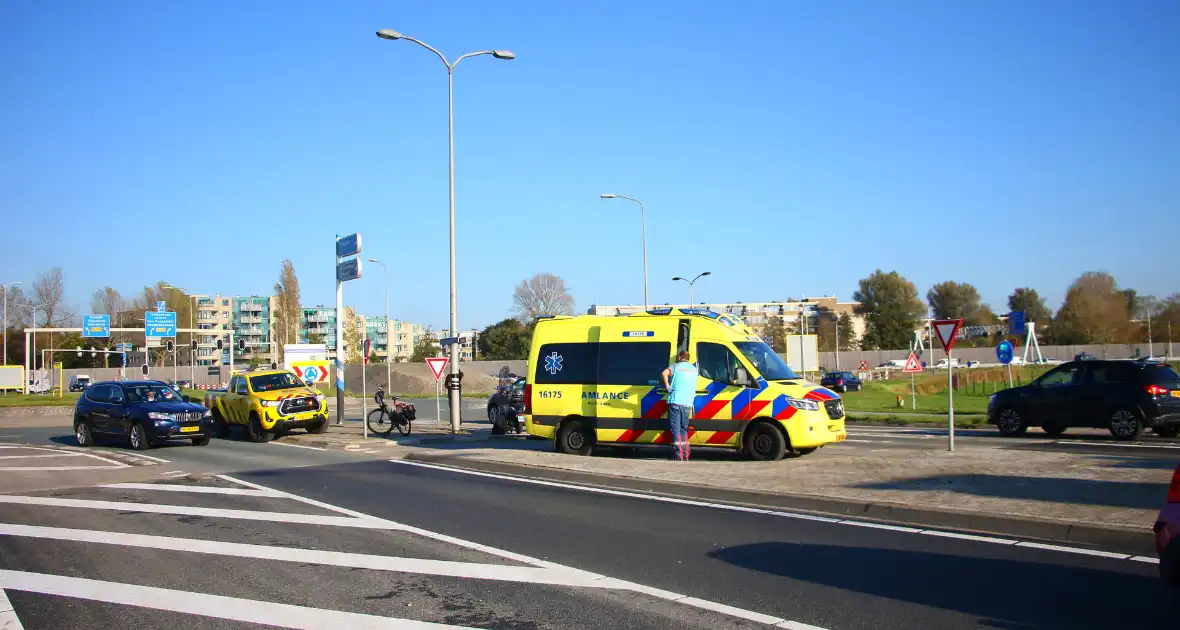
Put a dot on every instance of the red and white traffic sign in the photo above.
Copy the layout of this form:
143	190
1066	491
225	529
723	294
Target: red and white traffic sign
864	366
947	330
437	365
912	364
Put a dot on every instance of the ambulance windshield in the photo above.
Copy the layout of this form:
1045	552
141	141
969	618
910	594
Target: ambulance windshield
769	364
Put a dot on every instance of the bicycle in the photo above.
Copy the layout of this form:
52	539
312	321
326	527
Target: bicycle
385	418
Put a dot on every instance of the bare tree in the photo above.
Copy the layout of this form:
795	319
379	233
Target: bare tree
287	308
49	291
543	294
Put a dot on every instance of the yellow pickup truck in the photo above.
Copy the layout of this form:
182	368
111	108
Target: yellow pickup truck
267	402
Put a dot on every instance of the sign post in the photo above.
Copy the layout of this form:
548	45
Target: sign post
1004	353
346	247
364	380
947	330
912	367
437	365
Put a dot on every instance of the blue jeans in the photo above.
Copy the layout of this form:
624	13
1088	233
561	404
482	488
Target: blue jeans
678	417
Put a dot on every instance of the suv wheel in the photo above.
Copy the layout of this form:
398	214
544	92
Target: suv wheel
137	437
82	433
1125	425
1010	423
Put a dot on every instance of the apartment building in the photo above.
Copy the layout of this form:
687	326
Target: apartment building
468	344
213	313
757	314
251	320
317	324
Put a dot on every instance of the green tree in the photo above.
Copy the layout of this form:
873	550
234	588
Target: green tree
774	332
891	308
506	339
1027	300
315	338
1165	326
287	310
353	325
1094	311
952	300
425	346
848	340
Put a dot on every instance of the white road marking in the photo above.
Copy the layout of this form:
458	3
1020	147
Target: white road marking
154	459
216	606
172	487
173	473
32	468
601	580
472	570
796	515
8	618
1146	559
63	454
247	515
865	441
1117	444
310	448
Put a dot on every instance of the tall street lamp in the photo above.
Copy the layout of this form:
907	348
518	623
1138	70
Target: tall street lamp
6	285
691	283
452	395
643	221
388	343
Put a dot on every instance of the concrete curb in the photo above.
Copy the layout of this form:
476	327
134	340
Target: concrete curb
1122	540
40	410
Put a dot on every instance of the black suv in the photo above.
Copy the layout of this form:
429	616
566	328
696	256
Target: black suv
1123	396
141	412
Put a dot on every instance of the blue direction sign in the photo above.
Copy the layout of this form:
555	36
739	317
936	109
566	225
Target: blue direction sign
1016	323
1004	352
348	270
159	324
348	245
96	325
161	306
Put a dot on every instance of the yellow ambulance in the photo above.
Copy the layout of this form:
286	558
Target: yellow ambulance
596	381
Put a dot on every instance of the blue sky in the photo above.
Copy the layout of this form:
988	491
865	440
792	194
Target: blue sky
790	148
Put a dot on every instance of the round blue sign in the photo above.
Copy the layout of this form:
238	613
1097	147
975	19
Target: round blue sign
1004	352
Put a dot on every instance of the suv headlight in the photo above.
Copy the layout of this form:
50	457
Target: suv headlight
269	403
805	405
159	415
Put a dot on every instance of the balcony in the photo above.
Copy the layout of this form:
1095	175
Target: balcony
321	319
250	320
251	308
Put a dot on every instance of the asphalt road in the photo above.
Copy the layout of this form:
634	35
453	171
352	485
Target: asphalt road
512	554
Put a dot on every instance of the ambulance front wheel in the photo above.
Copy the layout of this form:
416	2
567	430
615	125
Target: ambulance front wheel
765	442
575	437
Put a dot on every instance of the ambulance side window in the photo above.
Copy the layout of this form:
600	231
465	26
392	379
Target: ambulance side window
717	363
682	336
632	363
567	364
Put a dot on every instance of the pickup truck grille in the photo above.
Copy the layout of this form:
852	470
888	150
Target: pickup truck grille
835	408
298	405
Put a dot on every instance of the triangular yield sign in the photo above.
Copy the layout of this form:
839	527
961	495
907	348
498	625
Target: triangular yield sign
947	330
912	364
437	365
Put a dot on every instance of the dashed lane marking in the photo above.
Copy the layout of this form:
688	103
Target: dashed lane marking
169	487
310	448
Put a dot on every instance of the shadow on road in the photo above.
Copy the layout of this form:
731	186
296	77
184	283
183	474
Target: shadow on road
1123	494
1007	594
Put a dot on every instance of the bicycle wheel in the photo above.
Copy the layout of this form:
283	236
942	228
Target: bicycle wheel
403	424
379	422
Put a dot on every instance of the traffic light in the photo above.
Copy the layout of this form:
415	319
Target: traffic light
274	366
220	344
193	345
241	345
171	346
143	369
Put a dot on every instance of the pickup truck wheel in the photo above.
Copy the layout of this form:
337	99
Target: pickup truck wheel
221	426
202	441
254	430
318	427
137	437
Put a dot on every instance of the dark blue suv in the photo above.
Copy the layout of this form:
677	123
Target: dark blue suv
141	412
841	381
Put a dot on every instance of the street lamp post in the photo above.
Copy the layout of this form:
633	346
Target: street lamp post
453	395
6	285
388	344
691	283
643	222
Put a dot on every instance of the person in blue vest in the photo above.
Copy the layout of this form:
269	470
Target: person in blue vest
681	382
